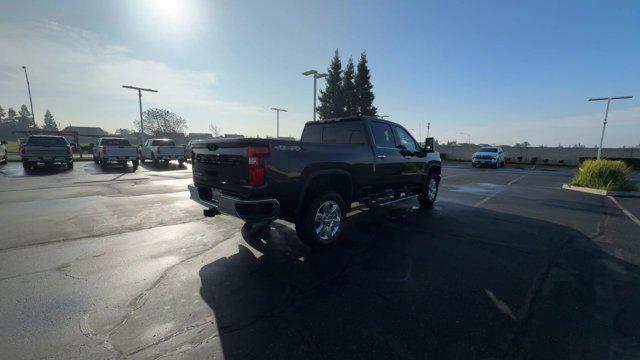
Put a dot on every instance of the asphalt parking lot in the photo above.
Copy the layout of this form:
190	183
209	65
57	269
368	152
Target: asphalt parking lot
109	263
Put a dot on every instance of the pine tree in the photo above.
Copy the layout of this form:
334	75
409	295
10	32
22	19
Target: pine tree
349	90
49	123
25	121
11	116
363	88
331	98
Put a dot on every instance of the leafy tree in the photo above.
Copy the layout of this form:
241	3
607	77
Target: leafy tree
364	88
331	98
349	90
25	120
215	130
49	123
2	114
159	121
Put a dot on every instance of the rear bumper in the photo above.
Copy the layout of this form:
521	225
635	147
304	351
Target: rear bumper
484	161
248	210
170	157
47	159
119	158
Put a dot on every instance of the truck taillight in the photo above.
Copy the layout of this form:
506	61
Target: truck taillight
256	170
104	151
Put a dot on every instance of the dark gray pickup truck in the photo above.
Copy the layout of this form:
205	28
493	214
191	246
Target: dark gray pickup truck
313	182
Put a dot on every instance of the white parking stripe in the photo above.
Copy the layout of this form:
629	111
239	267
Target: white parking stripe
514	180
624	210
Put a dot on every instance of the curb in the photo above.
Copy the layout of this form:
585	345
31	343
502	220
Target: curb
633	194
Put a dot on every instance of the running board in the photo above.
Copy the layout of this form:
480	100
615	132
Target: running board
376	204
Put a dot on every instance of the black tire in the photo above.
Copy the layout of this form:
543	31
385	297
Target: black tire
472	164
426	198
181	163
306	225
103	164
135	165
26	165
69	164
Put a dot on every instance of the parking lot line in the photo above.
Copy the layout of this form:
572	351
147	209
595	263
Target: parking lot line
625	211
514	180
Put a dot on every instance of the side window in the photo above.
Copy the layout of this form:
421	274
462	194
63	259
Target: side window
333	135
356	137
382	134
405	139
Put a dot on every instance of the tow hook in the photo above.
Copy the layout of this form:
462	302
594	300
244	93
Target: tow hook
211	212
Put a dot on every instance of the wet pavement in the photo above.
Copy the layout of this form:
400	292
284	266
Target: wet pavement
112	264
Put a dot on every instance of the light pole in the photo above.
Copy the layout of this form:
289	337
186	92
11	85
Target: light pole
33	116
278	121
606	114
468	137
316	76
140	90
420	129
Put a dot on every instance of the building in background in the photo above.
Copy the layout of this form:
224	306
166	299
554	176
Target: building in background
94	132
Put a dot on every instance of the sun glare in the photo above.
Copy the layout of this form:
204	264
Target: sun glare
168	9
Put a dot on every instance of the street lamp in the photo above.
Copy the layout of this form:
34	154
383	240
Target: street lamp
468	137
140	90
606	113
316	76
420	129
33	116
278	121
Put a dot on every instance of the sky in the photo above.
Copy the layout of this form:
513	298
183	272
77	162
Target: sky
501	71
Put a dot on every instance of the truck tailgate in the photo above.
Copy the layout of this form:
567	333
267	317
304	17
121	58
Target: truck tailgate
221	165
171	150
45	151
120	151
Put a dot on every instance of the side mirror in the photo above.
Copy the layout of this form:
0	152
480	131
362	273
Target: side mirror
429	145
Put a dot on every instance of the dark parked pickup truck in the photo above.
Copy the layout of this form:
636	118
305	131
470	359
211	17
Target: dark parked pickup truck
313	182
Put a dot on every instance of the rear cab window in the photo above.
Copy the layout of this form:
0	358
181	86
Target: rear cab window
163	143
47	141
343	132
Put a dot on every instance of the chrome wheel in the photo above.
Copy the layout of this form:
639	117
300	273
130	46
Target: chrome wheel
327	220
432	189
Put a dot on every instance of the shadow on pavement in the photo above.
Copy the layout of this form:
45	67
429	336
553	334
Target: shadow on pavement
454	282
172	166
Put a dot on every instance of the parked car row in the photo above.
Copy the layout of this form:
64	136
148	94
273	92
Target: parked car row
49	149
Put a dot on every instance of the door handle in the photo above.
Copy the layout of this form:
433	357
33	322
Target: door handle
382	156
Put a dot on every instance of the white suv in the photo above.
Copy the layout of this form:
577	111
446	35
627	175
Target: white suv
488	155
